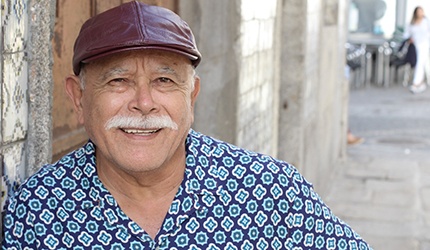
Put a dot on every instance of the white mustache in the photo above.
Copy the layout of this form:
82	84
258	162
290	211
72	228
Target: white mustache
145	122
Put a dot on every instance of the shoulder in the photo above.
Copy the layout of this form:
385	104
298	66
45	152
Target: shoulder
49	197
427	22
253	181
56	182
229	163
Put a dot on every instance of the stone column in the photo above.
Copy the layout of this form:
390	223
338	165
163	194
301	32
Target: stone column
39	139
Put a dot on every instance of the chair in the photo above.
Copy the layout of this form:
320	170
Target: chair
403	62
356	60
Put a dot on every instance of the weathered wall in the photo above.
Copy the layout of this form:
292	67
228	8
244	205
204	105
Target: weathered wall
257	117
334	89
40	84
294	82
14	91
238	98
215	26
314	94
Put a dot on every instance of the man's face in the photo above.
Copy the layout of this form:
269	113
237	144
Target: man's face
138	84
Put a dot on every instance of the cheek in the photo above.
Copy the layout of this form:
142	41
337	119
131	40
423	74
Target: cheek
187	109
99	108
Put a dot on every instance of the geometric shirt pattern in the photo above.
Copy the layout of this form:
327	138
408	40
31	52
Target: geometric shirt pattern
230	198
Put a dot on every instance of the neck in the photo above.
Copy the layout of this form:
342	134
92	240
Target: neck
418	19
142	186
144	197
137	188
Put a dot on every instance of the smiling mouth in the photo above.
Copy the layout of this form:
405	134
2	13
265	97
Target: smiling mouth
140	131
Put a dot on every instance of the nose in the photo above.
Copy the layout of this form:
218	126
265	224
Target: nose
143	100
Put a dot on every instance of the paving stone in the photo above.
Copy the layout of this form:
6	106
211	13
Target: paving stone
386	243
425	196
424	246
401	199
361	211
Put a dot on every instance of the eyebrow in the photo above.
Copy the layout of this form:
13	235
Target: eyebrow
167	70
111	72
170	71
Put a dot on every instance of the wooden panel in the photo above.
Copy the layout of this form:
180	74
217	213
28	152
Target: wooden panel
67	133
102	5
169	4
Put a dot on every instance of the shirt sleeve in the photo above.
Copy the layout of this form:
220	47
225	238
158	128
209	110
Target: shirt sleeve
19	231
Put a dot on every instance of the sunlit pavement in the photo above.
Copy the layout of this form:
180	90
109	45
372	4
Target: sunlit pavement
383	188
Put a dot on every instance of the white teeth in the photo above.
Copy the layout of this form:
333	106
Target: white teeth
138	131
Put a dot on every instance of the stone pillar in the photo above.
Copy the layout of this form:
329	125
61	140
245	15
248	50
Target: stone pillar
39	139
401	8
313	92
293	81
215	25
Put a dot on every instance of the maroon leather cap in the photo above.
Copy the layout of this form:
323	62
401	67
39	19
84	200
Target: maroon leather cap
133	26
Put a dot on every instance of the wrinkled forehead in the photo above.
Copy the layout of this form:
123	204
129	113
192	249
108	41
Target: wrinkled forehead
156	59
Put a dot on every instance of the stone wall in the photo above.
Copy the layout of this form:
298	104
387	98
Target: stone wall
14	92
257	117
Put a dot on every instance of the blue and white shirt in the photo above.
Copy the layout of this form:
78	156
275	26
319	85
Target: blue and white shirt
230	198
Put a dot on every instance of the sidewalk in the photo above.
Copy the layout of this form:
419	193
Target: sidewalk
383	189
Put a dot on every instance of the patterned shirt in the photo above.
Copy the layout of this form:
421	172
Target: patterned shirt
230	198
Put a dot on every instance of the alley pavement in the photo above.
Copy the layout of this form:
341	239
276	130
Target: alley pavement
382	189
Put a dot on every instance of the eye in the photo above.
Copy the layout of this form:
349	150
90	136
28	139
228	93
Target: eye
117	81
118	84
165	80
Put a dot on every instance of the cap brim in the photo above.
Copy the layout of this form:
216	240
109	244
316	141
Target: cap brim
193	58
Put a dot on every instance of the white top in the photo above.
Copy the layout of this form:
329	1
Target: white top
420	33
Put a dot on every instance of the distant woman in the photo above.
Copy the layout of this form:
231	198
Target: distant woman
419	33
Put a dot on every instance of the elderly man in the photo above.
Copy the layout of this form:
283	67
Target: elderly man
145	180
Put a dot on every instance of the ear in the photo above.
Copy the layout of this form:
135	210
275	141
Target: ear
196	90
75	93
